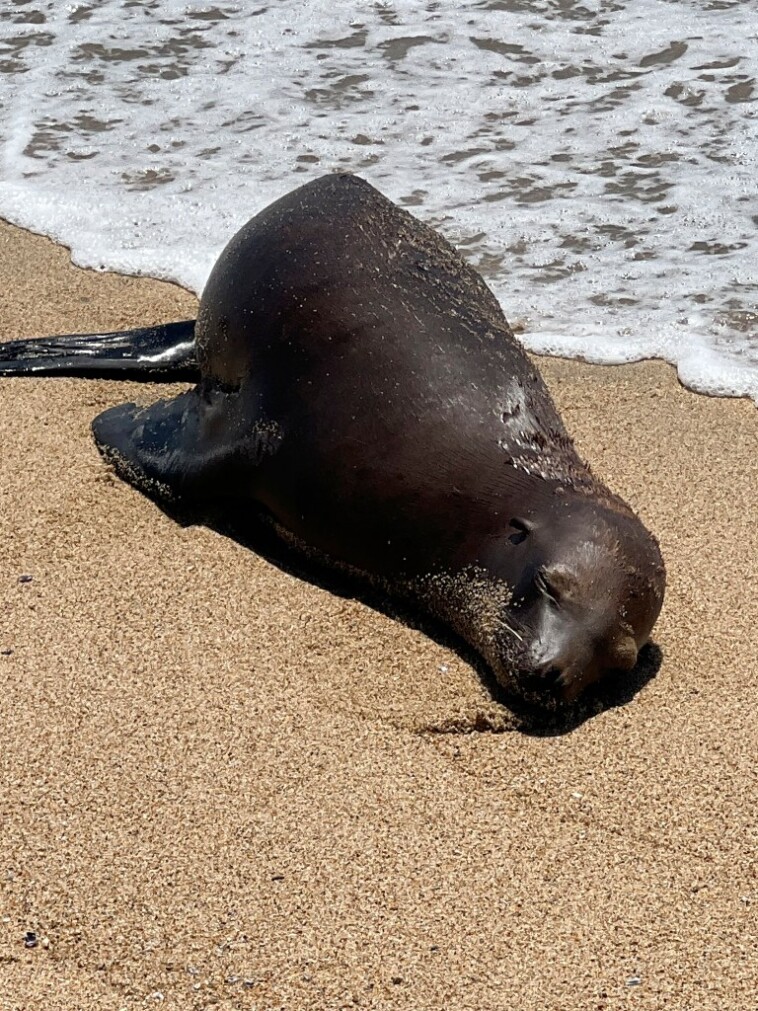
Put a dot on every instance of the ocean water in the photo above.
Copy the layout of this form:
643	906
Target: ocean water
596	160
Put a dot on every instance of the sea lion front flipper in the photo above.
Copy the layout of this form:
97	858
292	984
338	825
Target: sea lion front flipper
192	447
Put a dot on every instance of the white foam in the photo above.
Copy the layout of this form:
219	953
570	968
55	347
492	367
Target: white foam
599	167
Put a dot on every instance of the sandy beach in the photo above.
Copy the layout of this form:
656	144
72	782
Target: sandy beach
223	786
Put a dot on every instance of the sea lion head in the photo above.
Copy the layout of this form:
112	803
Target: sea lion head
590	588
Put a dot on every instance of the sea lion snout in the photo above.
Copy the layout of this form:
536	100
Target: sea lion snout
564	667
568	675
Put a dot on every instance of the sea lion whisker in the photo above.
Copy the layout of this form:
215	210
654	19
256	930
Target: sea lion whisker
509	628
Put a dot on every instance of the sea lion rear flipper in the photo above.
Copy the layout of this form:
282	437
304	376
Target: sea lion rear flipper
166	351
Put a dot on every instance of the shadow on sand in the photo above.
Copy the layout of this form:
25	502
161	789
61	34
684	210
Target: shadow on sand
258	535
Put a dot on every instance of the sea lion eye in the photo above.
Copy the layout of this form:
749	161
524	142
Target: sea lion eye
557	582
520	531
546	587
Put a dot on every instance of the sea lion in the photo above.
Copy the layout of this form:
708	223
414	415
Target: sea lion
359	383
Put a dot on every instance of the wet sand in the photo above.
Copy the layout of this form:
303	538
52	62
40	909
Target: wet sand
223	786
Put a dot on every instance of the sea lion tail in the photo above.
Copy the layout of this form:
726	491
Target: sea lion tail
162	353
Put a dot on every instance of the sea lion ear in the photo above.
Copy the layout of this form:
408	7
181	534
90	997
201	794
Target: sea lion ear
556	581
520	529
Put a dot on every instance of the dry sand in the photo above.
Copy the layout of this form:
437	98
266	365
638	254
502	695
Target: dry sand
218	785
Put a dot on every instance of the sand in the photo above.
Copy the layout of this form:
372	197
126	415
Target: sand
221	785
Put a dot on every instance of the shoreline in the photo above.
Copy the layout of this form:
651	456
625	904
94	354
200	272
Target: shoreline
220	782
185	299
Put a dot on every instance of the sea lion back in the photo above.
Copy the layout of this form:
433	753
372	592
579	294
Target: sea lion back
332	252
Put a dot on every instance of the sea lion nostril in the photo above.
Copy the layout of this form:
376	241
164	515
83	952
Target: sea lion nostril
556	680
549	675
